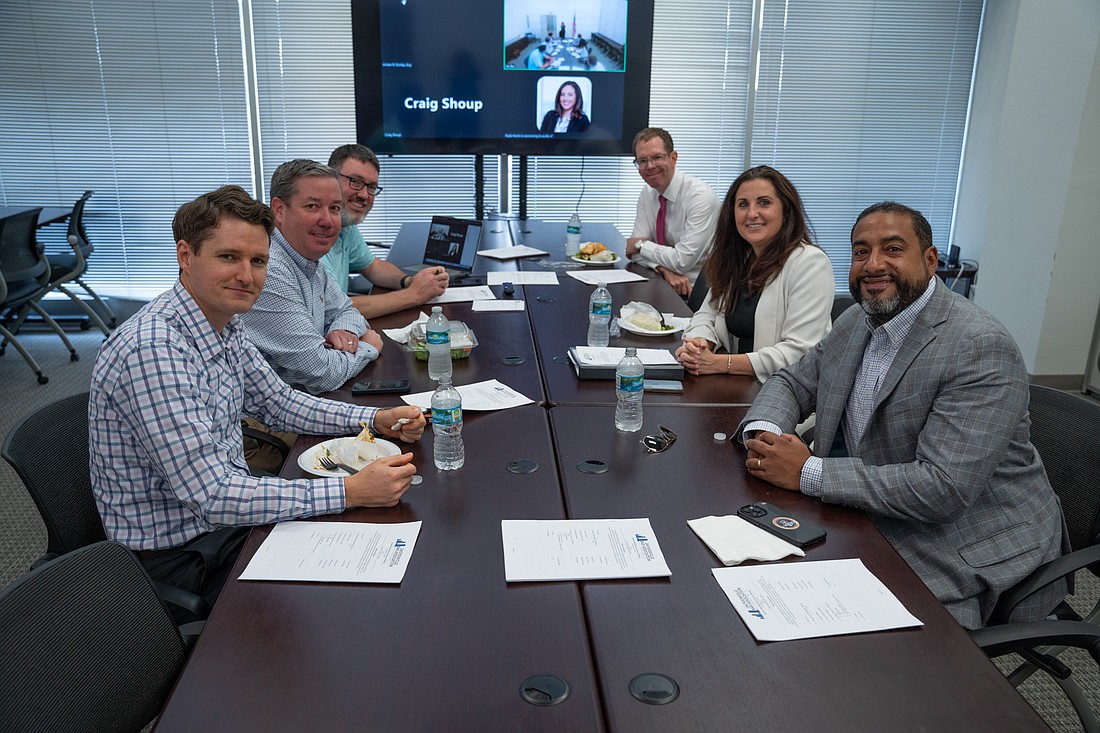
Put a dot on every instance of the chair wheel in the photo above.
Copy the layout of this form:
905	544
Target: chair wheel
42	379
85	325
74	356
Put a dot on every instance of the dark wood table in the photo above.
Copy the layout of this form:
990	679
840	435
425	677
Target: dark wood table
932	678
48	215
447	650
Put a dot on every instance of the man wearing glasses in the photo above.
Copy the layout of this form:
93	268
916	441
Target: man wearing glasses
674	226
358	168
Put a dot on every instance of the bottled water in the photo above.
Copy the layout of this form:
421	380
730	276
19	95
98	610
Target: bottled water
447	426
438	335
573	235
599	315
629	378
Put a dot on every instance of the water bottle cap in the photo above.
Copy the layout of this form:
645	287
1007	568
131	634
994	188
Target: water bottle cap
437	309
601	284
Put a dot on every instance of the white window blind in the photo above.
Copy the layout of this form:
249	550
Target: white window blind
861	101
140	101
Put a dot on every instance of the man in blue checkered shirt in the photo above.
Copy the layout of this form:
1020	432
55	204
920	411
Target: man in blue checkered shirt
168	392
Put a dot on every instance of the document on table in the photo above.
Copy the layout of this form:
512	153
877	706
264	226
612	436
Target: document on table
612	355
498	305
511	253
538	277
607	275
461	295
487	395
580	549
334	552
804	600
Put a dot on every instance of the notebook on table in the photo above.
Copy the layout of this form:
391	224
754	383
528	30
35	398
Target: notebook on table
452	244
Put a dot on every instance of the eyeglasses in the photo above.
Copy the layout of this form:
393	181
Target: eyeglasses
659	443
358	185
655	159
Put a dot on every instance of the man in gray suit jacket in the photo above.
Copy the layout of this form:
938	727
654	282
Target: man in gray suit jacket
921	400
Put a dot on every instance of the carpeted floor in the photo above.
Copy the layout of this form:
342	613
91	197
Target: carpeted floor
23	537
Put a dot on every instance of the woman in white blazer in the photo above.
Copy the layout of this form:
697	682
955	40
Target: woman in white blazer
771	288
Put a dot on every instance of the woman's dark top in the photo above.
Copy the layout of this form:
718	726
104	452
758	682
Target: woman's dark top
577	124
741	320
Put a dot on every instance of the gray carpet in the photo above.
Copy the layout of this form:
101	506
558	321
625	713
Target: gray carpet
23	537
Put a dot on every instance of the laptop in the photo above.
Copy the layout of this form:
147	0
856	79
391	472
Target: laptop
452	244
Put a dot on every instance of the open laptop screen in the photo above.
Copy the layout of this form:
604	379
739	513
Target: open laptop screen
452	243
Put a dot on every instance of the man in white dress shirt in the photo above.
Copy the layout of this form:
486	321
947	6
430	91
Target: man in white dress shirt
674	227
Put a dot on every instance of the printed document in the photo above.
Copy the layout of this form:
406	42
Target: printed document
612	355
580	549
334	552
539	277
463	295
595	276
511	253
803	600
487	395
497	305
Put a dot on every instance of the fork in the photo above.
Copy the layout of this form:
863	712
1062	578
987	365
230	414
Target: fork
330	465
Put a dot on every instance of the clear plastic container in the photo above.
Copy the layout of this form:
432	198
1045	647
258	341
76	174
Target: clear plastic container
463	341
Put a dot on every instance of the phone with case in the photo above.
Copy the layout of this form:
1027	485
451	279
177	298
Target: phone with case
781	524
394	386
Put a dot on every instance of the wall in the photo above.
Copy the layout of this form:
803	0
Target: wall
1028	202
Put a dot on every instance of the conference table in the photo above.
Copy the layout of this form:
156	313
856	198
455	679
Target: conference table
455	647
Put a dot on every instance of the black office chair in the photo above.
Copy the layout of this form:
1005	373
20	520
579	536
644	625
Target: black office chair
698	293
24	279
70	268
1063	429
60	484
85	644
841	303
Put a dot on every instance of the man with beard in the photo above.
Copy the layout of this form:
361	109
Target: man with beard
358	168
921	400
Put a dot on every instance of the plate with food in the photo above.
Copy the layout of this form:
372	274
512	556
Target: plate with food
594	253
646	324
356	452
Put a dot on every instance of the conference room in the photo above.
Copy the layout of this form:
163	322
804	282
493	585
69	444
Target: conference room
149	105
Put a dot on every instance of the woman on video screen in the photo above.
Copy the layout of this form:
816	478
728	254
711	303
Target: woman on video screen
568	113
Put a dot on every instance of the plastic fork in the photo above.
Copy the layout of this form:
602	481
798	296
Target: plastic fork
330	465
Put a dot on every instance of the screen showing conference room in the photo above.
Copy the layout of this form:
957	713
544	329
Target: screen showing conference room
436	76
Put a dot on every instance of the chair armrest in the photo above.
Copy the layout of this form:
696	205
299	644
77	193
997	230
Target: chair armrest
998	640
261	437
1041	577
194	604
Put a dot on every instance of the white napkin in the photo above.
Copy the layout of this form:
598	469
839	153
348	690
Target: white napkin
401	335
734	540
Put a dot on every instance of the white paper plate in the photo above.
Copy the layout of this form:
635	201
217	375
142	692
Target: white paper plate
307	459
596	264
678	324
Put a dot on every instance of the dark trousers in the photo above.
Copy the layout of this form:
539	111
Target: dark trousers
200	566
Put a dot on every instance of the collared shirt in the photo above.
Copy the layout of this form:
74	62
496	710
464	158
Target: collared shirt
301	304
878	356
690	217
349	254
166	452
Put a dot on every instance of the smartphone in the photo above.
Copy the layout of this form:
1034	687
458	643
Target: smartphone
662	385
394	386
781	524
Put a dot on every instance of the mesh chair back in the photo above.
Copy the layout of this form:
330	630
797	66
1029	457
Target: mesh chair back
841	303
76	225
20	256
85	644
1064	430
49	451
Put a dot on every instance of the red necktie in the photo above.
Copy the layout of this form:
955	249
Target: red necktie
661	220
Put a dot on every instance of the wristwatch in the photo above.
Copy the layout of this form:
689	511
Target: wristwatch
405	282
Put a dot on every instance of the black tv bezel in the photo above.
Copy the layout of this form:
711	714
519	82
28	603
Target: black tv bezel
366	53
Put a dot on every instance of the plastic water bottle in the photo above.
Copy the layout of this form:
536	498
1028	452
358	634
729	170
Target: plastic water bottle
573	235
599	315
629	379
447	425
438	333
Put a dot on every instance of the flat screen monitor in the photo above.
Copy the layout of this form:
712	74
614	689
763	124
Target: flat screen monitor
552	77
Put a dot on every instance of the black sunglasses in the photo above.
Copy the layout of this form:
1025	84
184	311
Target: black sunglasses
659	443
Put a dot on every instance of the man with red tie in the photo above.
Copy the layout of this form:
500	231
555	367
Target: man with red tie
676	214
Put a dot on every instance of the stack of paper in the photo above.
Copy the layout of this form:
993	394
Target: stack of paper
593	362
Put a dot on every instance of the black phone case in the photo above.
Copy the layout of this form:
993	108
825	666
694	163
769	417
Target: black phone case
396	386
781	524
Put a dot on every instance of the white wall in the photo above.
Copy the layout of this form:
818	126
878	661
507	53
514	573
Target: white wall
1029	200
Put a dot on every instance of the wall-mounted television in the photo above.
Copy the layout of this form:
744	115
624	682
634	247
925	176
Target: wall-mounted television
521	77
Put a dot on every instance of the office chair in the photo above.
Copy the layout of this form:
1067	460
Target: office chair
70	268
49	451
1063	429
24	279
698	293
841	303
85	644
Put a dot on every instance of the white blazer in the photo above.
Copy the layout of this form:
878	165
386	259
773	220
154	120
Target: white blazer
794	313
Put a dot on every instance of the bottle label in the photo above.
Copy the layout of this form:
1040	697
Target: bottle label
447	416
601	309
630	384
439	337
573	229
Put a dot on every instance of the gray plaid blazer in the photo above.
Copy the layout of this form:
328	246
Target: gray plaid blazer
945	468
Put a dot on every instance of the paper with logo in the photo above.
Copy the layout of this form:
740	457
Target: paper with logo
580	549
534	277
487	395
804	600
335	552
609	276
510	253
